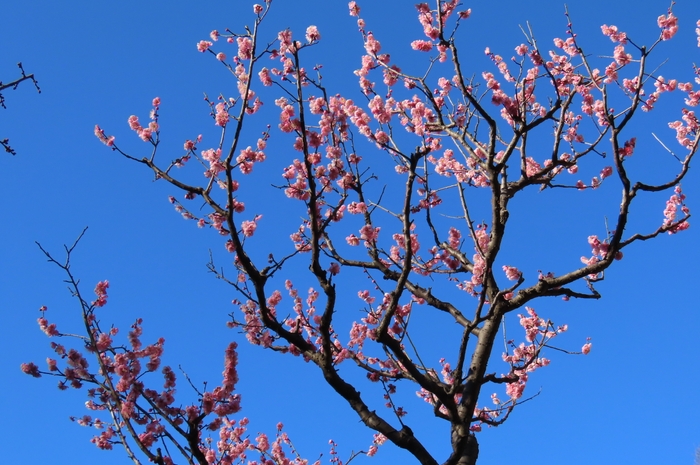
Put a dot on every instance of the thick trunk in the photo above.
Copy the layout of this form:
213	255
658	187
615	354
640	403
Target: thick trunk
471	453
464	454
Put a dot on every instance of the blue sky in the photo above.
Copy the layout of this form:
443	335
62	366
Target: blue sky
632	400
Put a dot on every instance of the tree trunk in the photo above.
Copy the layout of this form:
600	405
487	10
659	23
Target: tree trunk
470	453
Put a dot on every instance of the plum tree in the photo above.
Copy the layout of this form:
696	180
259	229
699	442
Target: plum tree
407	200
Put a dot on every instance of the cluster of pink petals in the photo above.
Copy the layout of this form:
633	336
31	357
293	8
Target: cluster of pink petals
377	441
203	45
101	292
312	34
614	34
671	210
215	164
586	349
145	133
248	227
628	148
525	357
100	134
48	329
299	188
479	264
668	25
357	208
221	117
512	272
422	45
686	130
568	46
369	234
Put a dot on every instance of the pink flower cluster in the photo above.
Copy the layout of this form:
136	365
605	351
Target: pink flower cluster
686	130
221	117
668	25
101	292
146	133
248	227
670	223
203	45
526	357
512	273
312	34
145	415
599	250
614	34
100	134
473	173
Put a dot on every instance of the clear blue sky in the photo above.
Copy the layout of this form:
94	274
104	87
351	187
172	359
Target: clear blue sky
632	400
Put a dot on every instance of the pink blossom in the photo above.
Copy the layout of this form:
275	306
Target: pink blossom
48	329
221	56
612	32
369	233
357	207
264	76
586	349
103	342
334	269
100	134
257	9
521	49
204	45
391	75
568	46
312	34
512	272
101	292
381	137
532	168
352	240
230	364
622	58
422	45
372	45
30	369
515	389
134	122
628	148
222	116
245	48
248	228
354	9
600	249
145	134
671	210
668	25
